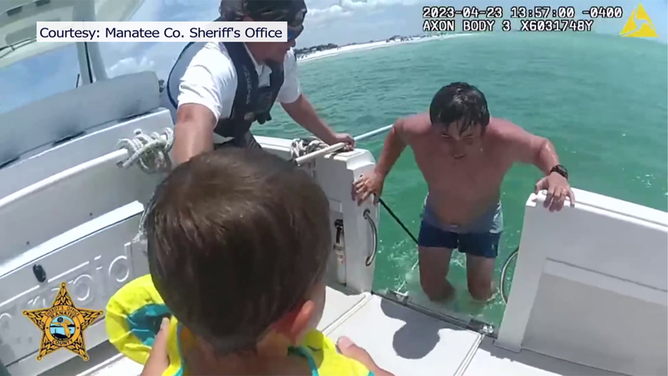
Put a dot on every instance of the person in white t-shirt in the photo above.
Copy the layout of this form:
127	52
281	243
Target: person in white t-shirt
215	91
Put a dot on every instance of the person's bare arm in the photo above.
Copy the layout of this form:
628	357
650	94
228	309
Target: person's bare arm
303	113
349	349
525	147
392	148
193	133
372	182
300	109
528	148
206	93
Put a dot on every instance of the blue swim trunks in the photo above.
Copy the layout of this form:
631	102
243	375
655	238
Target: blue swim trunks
479	238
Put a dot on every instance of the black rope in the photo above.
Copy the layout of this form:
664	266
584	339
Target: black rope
398	220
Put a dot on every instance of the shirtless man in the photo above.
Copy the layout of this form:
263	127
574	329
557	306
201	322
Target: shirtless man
464	154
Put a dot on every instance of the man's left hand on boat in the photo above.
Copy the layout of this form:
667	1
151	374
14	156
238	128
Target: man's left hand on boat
558	190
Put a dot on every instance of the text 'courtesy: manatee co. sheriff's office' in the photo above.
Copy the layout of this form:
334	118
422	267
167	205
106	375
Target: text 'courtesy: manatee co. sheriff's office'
161	31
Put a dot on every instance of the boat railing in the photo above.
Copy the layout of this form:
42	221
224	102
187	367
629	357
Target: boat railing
338	146
70	198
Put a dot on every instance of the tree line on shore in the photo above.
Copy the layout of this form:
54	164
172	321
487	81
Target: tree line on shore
312	49
322	47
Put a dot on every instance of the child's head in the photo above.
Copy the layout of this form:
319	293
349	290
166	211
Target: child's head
238	243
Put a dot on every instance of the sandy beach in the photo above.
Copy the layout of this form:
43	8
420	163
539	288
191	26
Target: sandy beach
373	45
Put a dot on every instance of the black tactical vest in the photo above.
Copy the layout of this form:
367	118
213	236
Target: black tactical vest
251	102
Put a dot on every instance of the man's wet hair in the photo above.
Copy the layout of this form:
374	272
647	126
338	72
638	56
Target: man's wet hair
236	240
461	104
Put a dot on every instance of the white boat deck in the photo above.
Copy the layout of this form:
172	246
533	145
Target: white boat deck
406	342
401	340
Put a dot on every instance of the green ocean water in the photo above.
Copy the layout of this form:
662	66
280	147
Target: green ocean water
602	100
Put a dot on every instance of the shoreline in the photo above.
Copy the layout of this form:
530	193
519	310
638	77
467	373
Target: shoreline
318	55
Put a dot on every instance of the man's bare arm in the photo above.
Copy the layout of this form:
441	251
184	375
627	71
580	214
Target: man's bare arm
529	148
302	112
392	148
193	133
525	147
372	182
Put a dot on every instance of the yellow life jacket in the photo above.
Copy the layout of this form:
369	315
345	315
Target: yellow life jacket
133	318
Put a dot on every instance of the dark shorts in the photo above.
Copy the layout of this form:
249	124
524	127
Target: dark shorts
480	238
475	244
